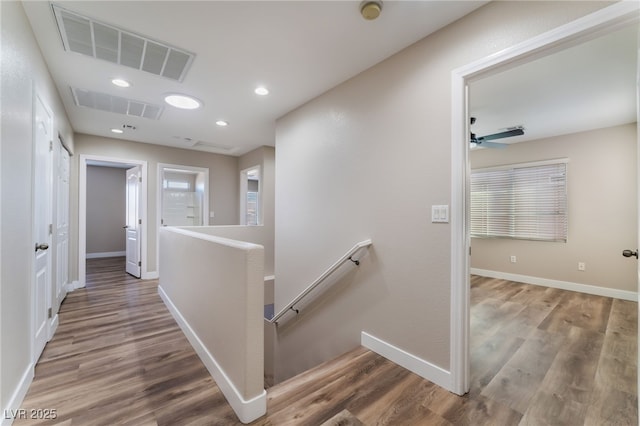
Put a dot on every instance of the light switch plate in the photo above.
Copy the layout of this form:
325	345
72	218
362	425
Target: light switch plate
440	214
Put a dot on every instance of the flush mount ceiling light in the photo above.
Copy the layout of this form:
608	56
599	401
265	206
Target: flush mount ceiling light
261	90
118	131
222	123
182	101
370	10
120	82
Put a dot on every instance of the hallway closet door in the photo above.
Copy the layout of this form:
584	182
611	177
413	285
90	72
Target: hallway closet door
62	222
42	223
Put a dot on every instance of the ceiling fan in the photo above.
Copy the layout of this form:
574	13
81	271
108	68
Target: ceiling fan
485	140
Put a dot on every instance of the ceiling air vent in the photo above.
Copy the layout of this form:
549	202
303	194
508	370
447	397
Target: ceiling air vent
86	36
117	104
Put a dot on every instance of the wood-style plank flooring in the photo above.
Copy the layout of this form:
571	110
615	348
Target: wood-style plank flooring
539	357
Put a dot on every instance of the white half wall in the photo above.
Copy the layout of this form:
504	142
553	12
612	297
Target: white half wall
214	288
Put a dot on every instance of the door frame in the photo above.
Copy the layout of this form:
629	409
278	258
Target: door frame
243	194
190	169
85	160
601	22
205	197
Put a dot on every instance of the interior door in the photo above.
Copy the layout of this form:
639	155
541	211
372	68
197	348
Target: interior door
43	128
62	222
133	221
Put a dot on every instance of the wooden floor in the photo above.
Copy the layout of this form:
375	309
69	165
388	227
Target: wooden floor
539	357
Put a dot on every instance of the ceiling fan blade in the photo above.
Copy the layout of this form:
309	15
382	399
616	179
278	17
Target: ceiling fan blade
507	134
491	145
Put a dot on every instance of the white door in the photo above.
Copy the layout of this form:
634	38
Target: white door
133	221
62	222
43	128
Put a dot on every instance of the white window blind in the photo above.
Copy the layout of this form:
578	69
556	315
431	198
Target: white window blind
524	201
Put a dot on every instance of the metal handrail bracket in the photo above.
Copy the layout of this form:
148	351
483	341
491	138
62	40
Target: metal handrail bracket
348	256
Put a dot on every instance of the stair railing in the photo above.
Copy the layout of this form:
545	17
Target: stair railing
347	257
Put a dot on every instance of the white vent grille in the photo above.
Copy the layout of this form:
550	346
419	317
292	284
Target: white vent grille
220	148
102	41
117	104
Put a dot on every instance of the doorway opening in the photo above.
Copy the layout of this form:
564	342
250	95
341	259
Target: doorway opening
604	21
140	251
183	195
250	197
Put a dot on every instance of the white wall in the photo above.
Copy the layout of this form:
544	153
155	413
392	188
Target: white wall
602	200
23	72
223	182
367	160
106	204
215	290
261	235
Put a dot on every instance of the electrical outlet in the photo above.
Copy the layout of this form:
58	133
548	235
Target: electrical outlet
513	259
582	266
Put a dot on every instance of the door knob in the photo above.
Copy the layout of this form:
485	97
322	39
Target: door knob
42	246
629	253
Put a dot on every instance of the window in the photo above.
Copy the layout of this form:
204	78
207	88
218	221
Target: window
523	201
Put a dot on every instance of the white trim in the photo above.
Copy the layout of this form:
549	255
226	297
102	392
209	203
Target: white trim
14	403
82	210
106	254
419	366
562	285
69	287
152	275
243	195
247	410
603	21
460	239
522	165
53	326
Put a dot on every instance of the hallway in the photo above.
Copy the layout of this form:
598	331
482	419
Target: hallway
123	359
539	356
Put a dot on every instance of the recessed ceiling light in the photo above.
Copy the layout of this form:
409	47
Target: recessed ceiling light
222	123
262	91
120	82
117	131
182	101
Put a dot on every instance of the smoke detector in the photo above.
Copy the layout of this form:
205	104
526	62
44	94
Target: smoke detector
370	9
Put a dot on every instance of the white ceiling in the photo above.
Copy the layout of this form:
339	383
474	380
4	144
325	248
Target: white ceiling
298	49
585	87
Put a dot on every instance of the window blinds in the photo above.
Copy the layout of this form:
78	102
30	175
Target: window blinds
525	201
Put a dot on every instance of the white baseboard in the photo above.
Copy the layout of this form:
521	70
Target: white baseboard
53	326
152	275
246	410
106	254
422	368
69	287
562	285
12	410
